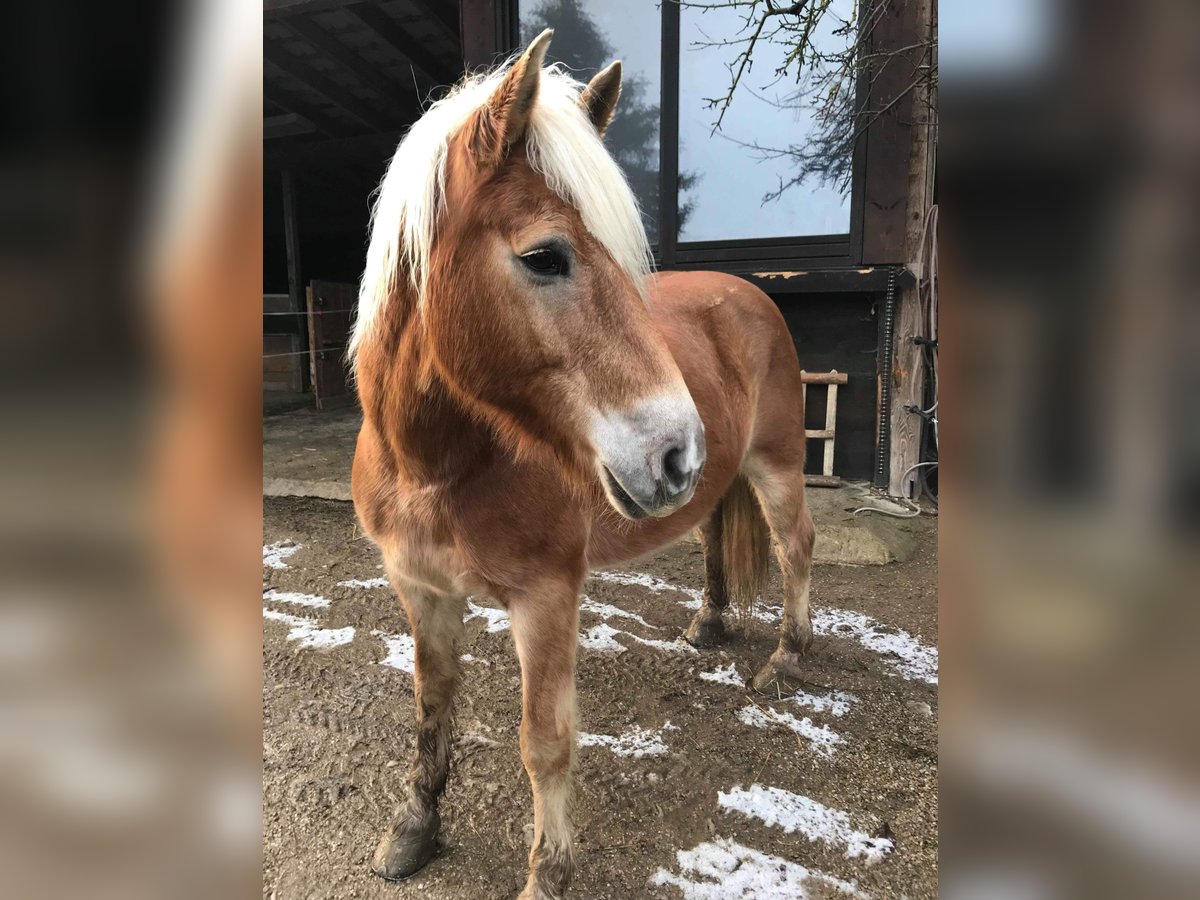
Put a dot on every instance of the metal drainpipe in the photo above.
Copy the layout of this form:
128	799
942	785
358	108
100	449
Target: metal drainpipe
883	454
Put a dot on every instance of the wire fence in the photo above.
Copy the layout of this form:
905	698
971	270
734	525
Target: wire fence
303	312
315	312
304	352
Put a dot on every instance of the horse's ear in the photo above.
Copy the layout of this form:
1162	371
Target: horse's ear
504	117
600	96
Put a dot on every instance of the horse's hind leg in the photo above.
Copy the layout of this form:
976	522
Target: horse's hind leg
707	628
781	497
436	622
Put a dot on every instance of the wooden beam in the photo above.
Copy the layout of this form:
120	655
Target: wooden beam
289	104
830	425
276	8
908	361
296	68
830	481
327	44
810	281
889	137
366	147
386	28
287	125
291	236
479	33
834	377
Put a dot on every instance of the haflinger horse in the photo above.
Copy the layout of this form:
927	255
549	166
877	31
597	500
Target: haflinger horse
537	404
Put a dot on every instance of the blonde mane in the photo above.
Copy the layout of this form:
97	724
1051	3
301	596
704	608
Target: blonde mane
562	145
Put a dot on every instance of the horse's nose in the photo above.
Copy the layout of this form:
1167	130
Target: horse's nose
681	464
676	474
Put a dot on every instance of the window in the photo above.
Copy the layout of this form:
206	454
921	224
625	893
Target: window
730	180
588	35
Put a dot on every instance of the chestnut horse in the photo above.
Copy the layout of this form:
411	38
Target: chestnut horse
536	404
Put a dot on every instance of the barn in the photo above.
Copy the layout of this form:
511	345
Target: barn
841	257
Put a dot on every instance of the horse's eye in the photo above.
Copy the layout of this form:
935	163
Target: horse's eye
545	261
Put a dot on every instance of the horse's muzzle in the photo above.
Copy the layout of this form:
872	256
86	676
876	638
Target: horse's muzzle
651	457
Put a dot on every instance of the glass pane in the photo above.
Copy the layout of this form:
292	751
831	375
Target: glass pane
588	35
726	178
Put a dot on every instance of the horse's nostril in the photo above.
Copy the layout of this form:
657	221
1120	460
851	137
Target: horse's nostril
675	474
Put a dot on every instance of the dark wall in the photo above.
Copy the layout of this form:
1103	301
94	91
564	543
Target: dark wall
839	331
334	219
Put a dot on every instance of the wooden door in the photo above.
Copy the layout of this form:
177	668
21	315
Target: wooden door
330	307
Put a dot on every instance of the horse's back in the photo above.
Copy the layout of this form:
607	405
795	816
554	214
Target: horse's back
737	355
730	314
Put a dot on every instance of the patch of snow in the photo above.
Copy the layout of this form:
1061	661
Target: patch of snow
679	645
762	611
308	634
912	659
820	738
497	619
651	583
766	612
794	812
724	869
295	597
401	651
600	638
725	675
275	554
608	611
365	583
634	742
836	703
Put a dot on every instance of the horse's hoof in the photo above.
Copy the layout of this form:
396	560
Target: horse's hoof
780	677
405	849
704	633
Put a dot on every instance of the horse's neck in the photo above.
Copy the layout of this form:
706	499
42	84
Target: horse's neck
433	438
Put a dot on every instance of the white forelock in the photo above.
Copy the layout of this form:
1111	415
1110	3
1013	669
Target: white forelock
562	145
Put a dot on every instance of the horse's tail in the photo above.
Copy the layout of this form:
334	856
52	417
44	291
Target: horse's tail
745	546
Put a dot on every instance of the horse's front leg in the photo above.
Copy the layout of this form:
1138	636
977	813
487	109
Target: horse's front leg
436	622
545	622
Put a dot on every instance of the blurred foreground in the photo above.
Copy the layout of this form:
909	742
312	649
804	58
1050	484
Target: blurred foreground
130	521
1068	177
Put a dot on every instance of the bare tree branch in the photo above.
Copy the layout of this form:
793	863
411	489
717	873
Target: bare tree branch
835	85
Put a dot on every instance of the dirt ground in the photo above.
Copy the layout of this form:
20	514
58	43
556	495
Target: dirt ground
665	803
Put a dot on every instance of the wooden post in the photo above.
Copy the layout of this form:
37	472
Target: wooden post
830	420
291	235
907	363
484	31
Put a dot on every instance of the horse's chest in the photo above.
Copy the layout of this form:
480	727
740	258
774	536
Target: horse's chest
491	538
